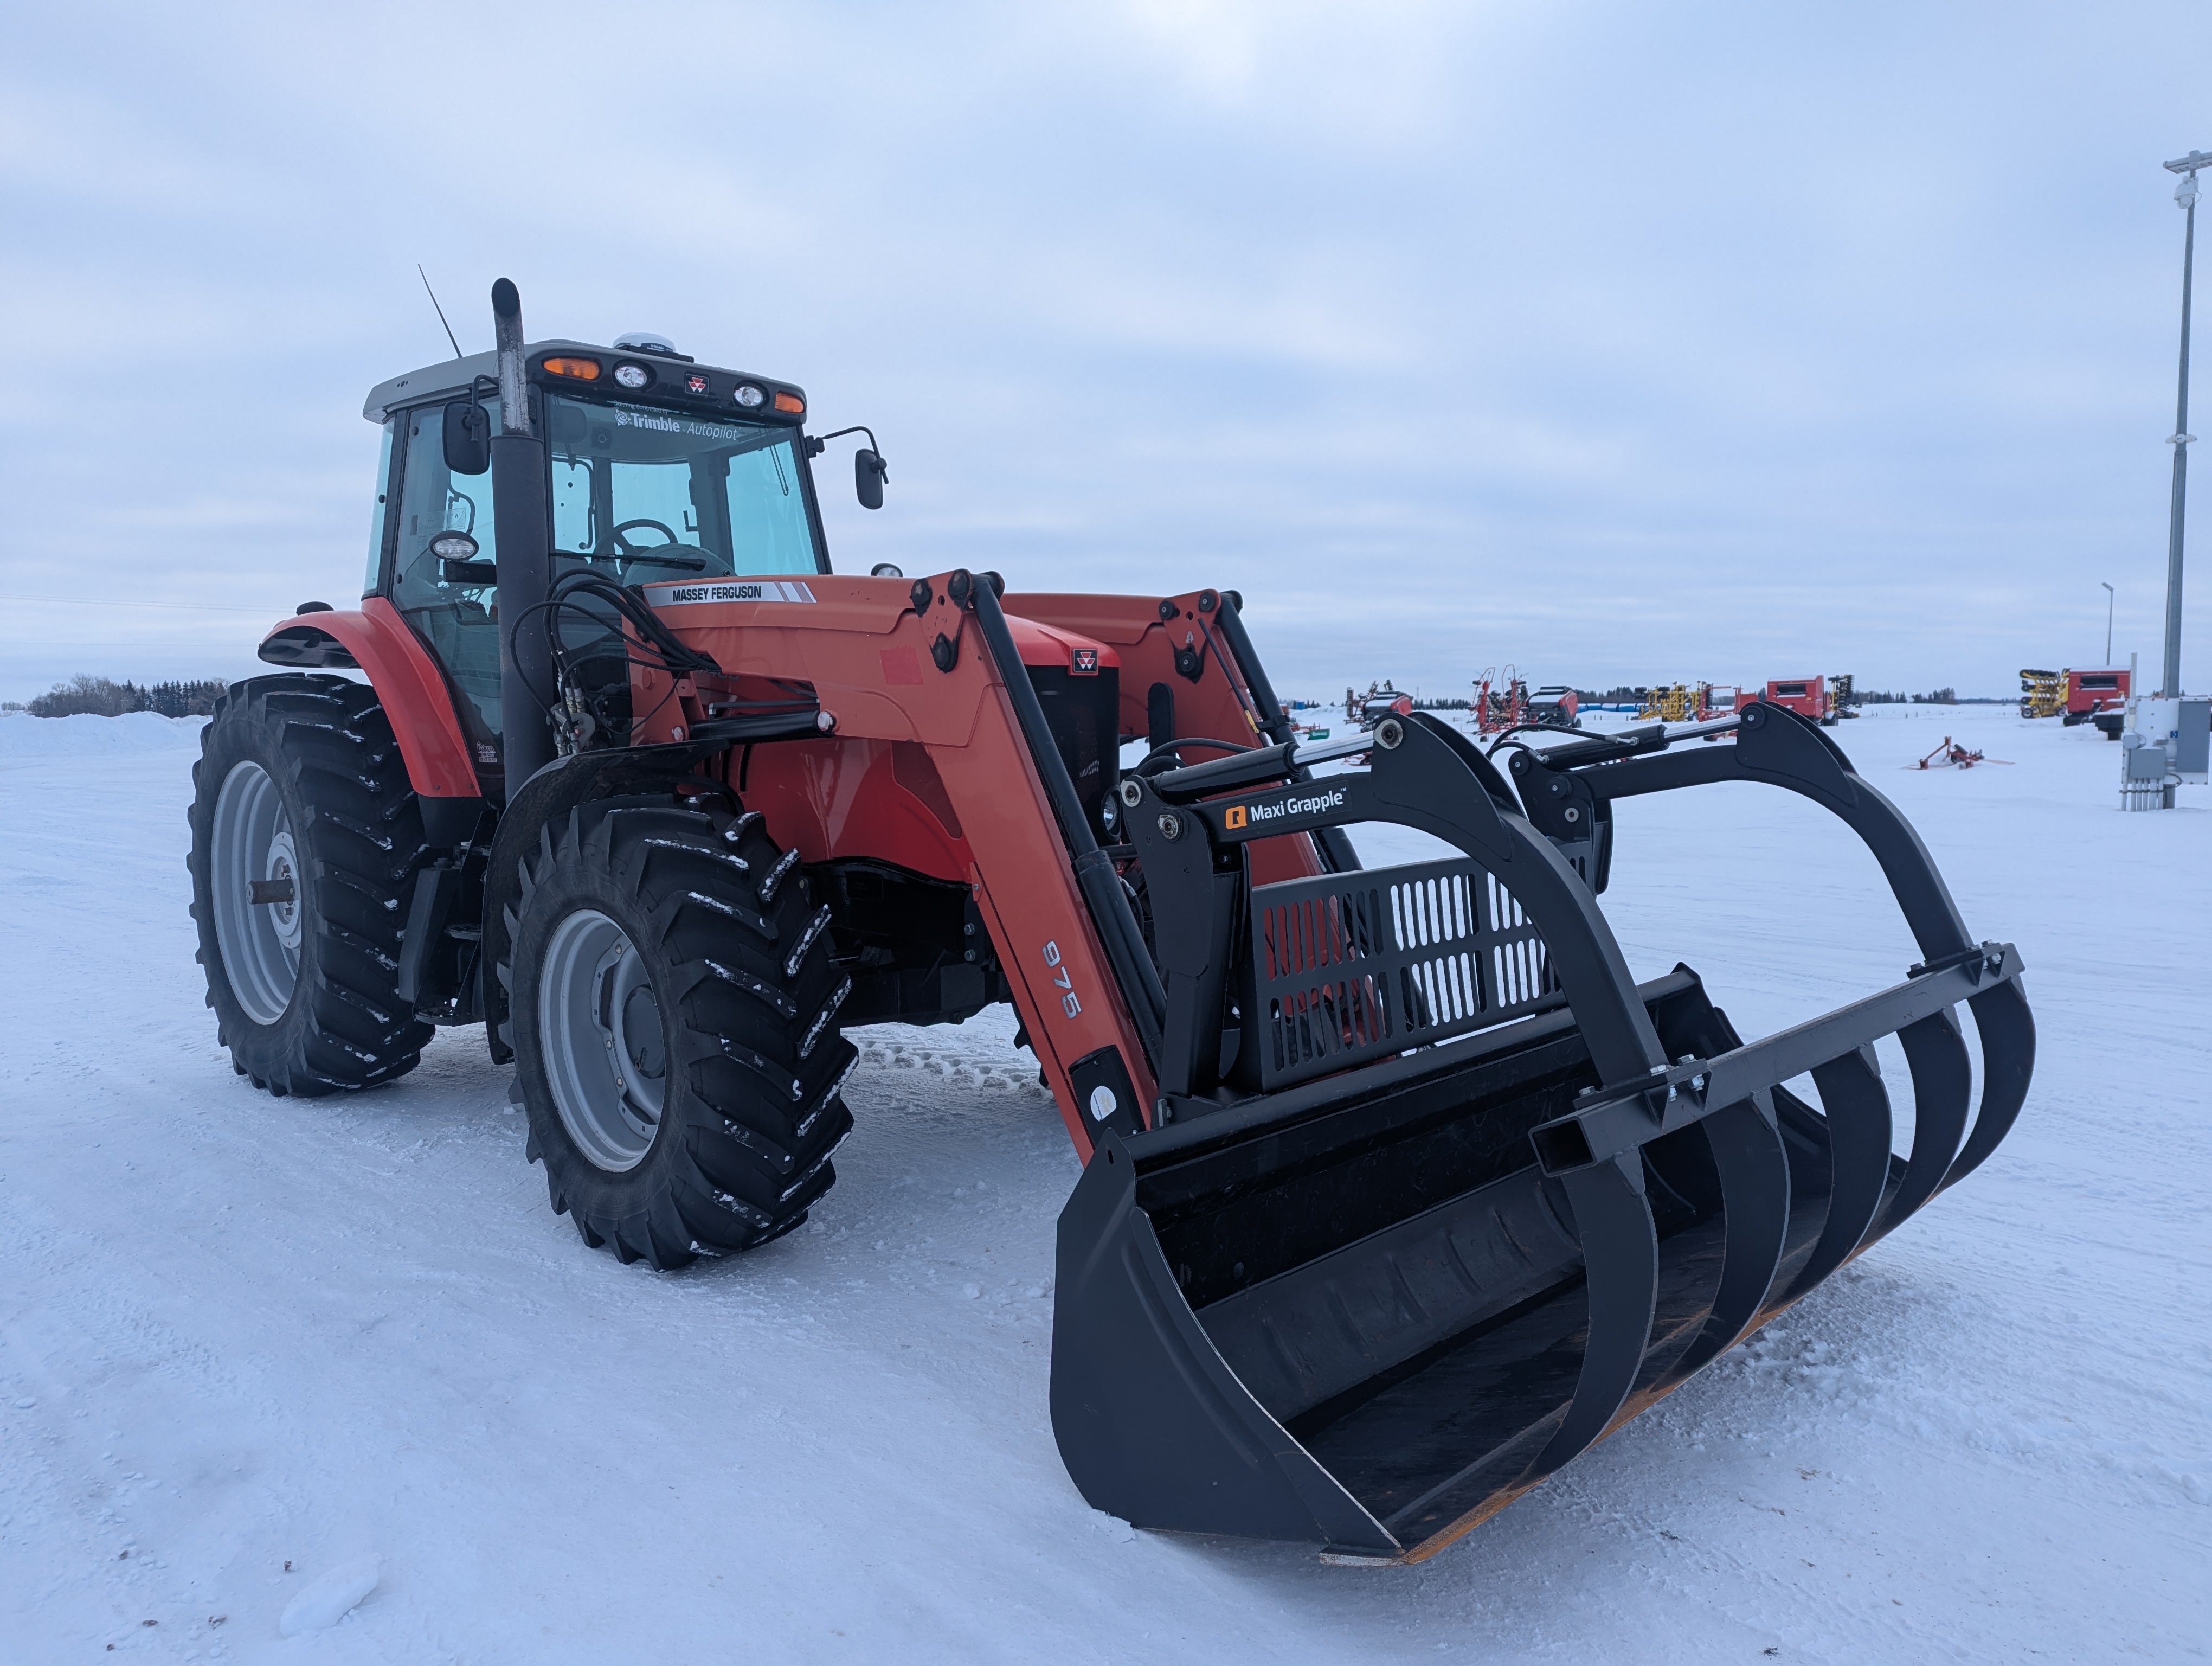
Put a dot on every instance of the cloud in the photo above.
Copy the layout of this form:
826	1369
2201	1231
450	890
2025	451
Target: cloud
1620	343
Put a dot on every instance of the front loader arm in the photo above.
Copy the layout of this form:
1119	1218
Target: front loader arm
932	663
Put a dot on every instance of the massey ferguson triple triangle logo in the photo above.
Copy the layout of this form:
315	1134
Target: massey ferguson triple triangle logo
1242	815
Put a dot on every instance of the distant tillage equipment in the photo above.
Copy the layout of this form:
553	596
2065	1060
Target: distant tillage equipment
1398	1190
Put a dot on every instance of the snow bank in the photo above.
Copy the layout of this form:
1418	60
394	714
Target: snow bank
23	737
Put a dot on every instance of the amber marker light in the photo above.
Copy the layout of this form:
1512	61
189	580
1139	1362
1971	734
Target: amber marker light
790	402
584	370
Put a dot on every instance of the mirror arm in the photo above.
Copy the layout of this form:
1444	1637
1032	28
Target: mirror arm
869	469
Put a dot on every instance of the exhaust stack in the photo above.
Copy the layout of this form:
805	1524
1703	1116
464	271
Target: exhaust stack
525	550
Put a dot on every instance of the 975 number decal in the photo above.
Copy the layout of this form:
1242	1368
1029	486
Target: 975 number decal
1060	976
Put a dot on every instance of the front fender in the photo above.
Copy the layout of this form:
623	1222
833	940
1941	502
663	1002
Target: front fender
376	641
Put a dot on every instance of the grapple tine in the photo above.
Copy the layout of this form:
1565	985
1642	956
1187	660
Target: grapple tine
1942	1093
1620	1262
2008	1033
1754	1176
1857	1110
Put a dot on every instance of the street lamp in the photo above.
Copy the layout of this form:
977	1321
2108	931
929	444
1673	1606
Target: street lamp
2108	621
2184	195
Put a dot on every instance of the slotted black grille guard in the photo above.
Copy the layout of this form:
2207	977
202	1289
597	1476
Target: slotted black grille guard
1350	967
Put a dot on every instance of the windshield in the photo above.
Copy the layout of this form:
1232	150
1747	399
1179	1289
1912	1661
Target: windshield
657	495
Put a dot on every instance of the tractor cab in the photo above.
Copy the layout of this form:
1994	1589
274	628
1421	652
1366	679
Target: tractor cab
657	469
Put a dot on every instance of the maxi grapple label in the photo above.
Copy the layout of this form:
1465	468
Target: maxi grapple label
1250	815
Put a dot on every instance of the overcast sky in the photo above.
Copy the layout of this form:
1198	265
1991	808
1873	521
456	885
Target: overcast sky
1624	342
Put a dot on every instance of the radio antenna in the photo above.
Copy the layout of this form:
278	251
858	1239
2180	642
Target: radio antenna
433	293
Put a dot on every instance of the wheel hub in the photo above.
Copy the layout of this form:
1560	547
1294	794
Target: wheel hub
255	889
603	1042
284	864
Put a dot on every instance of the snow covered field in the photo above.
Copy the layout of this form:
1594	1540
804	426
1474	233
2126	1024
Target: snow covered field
241	1335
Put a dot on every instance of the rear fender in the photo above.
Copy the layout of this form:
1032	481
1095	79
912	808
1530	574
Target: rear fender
376	641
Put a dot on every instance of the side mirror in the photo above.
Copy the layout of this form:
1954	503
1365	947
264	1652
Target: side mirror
869	473
457	560
468	437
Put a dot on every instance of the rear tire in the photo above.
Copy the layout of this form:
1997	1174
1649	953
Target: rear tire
673	1016
300	784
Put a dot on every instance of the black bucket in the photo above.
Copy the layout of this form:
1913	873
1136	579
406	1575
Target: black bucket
1361	1313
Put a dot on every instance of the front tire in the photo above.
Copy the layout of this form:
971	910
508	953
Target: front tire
306	838
673	1012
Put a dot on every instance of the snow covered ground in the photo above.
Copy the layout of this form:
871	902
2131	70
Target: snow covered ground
247	1344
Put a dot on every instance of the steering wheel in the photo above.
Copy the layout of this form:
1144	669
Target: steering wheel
664	555
631	552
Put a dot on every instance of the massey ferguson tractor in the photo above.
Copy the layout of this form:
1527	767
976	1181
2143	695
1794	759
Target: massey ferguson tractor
1398	1190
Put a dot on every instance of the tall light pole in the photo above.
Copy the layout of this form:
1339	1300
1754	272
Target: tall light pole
2184	194
2109	599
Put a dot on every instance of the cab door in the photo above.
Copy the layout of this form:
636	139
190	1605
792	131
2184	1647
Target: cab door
456	619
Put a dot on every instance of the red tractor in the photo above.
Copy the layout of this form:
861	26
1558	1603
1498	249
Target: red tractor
1555	706
1380	701
1400	1191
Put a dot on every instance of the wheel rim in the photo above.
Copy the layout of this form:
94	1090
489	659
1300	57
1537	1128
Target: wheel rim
252	842
600	1032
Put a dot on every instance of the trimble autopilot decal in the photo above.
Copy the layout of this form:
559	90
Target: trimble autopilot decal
728	590
1238	815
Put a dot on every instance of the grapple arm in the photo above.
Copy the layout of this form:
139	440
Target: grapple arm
1776	747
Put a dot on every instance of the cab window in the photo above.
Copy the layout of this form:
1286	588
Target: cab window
653	494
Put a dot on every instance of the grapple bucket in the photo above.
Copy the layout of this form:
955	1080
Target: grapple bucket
1436	1195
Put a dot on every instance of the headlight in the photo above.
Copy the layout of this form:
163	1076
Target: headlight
633	375
750	397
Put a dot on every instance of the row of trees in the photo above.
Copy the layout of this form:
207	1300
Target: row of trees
102	697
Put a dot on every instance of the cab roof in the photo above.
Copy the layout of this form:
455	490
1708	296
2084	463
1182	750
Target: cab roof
675	380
